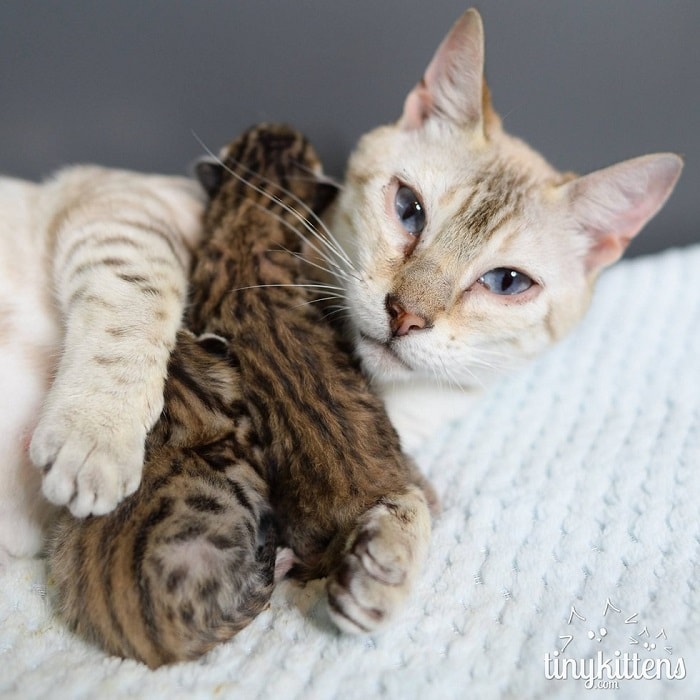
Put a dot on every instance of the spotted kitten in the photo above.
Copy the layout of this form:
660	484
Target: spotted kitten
270	436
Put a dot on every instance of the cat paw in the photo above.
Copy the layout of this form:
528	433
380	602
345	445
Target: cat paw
89	464
384	556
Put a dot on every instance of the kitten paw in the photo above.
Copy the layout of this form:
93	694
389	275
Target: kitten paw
90	464
284	561
385	554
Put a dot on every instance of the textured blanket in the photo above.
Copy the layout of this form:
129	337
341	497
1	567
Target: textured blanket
567	555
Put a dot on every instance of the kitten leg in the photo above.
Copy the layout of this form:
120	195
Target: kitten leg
384	555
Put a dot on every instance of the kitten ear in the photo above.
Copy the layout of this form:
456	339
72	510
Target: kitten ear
453	85
210	173
214	344
612	205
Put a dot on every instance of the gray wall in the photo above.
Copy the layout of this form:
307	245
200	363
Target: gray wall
126	82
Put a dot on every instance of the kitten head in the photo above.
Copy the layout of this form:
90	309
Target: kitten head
274	158
470	251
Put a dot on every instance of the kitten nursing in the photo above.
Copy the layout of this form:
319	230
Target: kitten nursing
269	435
463	250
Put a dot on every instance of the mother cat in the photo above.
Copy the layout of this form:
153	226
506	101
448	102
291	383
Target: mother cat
465	250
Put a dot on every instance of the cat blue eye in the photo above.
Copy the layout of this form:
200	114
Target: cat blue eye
409	210
505	281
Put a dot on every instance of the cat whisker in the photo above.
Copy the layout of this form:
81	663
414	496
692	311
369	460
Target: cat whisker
437	377
318	266
493	352
447	374
313	284
476	377
316	301
318	177
335	264
335	270
301	285
301	257
335	310
307	225
455	381
492	362
302	219
338	308
494	368
327	239
322	178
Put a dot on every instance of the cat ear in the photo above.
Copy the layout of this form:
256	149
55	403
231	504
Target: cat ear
453	85
214	344
210	173
612	205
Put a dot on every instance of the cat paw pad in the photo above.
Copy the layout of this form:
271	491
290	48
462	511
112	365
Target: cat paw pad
376	575
86	466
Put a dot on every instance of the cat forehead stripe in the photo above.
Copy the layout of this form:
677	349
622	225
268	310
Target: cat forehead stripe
495	199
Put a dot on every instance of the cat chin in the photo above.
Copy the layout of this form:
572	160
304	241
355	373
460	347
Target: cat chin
380	362
386	367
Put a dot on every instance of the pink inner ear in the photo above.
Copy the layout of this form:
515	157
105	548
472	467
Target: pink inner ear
605	250
610	243
452	85
614	204
417	107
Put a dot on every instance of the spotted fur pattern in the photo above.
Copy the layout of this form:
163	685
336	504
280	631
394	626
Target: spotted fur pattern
270	436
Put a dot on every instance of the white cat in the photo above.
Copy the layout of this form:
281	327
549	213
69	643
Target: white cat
93	277
468	253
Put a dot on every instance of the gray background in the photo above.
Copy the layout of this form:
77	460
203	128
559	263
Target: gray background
126	82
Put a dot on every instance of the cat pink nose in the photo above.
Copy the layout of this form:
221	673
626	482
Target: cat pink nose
402	322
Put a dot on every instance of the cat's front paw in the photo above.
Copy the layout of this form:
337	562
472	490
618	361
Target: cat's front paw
384	556
90	461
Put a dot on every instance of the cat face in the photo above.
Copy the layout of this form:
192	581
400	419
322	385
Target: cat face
469	252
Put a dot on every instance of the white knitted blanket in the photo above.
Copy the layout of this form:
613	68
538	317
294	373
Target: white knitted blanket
570	532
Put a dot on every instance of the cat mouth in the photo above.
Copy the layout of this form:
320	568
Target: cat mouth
380	352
